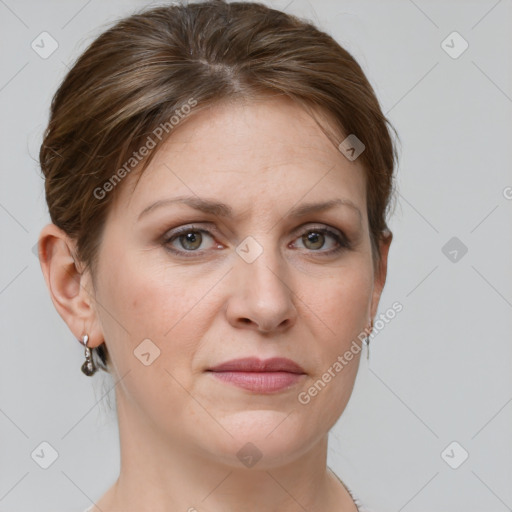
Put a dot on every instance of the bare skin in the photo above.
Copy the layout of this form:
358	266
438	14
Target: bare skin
180	426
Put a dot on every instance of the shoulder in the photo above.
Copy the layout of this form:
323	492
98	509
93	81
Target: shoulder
361	507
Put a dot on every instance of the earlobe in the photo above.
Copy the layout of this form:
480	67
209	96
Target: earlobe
70	290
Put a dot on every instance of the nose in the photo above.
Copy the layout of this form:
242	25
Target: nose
262	298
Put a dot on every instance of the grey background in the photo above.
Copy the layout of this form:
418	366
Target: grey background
439	372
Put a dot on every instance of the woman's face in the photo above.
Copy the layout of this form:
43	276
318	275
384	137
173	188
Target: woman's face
253	277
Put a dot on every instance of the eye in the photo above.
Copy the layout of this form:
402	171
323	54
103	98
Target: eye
188	239
315	239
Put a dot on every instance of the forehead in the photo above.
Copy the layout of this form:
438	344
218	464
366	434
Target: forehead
250	153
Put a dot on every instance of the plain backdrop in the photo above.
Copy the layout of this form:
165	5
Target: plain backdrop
438	386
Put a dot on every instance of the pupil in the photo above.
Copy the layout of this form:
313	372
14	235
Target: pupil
316	239
192	238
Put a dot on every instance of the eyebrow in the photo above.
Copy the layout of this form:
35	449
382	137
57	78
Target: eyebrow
220	209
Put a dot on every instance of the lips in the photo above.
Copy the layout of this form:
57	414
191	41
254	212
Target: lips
253	364
252	374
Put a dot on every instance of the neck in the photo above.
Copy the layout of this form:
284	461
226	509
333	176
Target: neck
162	473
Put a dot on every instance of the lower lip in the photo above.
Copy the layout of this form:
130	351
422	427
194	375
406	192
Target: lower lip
262	382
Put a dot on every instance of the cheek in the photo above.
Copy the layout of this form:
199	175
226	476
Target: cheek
342	303
152	327
341	306
145	300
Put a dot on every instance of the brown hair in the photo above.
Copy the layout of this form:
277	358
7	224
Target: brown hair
130	83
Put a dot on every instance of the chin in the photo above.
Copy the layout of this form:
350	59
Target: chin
259	434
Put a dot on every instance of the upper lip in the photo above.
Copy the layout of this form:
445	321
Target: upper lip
253	364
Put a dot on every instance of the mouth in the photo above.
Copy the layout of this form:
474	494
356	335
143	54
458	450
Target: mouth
267	376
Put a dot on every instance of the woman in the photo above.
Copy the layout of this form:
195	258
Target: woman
218	177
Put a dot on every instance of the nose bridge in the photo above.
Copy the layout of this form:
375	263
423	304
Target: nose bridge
261	262
263	292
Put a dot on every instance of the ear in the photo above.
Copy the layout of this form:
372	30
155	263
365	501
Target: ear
70	289
381	271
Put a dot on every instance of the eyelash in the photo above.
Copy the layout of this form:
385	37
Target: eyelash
343	242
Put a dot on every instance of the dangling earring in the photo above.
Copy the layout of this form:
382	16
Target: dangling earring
367	340
88	367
